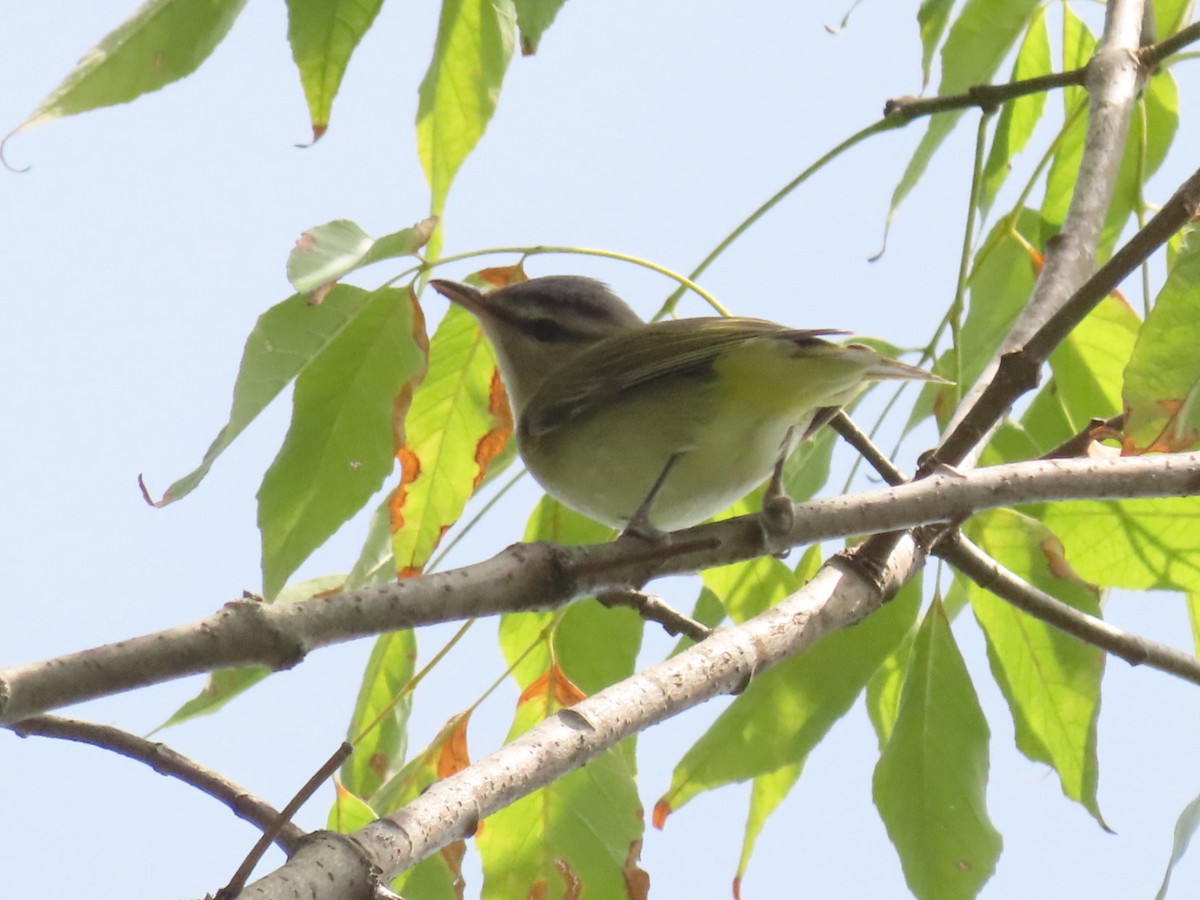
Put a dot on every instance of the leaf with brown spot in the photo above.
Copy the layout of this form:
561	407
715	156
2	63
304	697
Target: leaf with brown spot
576	832
439	875
324	254
378	726
498	276
453	435
1162	381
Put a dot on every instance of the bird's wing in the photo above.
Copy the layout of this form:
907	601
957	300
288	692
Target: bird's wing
598	375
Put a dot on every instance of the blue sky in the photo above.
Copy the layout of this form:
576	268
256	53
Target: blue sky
146	239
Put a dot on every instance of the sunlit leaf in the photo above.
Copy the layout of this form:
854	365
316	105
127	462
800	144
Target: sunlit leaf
1019	117
787	710
162	42
349	811
458	422
534	17
1162	383
931	781
378	726
580	835
440	876
579	630
1134	544
328	252
1050	680
341	441
323	35
225	684
286	338
766	793
1185	830
932	16
978	41
459	91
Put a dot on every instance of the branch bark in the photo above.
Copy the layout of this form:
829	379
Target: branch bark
451	808
544	576
1113	80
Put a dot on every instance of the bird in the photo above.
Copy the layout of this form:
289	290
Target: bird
654	427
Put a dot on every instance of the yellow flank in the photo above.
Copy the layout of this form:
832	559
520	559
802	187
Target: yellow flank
778	377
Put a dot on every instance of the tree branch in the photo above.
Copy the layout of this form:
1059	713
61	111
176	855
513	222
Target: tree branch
1113	80
165	761
545	576
969	559
1018	370
452	807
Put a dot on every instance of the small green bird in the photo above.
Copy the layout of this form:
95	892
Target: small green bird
655	427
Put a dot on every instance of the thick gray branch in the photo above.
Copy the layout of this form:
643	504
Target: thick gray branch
544	576
451	808
1113	81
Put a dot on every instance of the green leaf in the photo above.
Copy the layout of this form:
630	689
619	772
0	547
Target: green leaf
1162	383
323	35
329	252
1134	544
932	16
787	710
1185	830
349	812
1171	16
978	41
437	877
160	43
534	17
458	422
1001	279
375	564
766	793
459	91
286	338
379	723
340	445
1086	374
931	781
225	684
747	588
581	628
1020	117
580	835
885	687
1193	608
1050	680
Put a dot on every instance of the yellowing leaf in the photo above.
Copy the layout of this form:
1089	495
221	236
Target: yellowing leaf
1162	383
577	837
458	421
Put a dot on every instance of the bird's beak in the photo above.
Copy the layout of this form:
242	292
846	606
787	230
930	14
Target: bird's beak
464	295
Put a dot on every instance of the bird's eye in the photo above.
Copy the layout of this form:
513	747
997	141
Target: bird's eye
545	330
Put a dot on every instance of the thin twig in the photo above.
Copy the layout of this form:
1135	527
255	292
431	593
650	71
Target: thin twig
1096	430
991	575
240	877
165	761
867	449
655	609
1018	370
